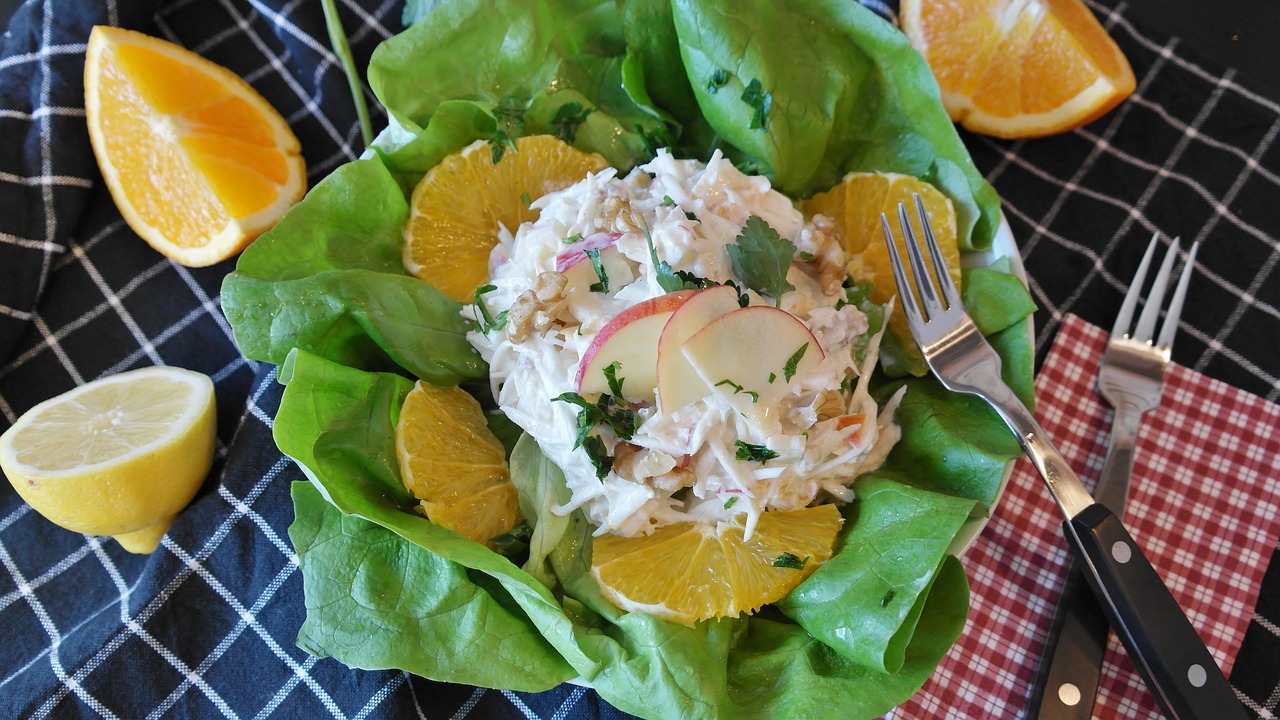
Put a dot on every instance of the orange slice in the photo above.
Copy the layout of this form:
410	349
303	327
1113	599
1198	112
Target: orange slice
1018	68
458	205
453	464
198	163
695	571
855	206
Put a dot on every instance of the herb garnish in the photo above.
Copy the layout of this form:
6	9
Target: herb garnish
603	286
717	80
608	410
667	201
524	198
611	377
762	258
789	370
755	396
508	115
729	503
567	119
513	542
760	101
598	455
487	322
791	562
572	239
758	453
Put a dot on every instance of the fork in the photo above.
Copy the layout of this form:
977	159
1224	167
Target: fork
1169	655
1131	379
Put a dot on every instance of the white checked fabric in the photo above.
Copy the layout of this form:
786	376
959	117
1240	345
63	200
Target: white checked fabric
205	626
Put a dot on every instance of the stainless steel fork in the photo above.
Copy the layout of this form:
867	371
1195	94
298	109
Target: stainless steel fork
1170	656
1131	379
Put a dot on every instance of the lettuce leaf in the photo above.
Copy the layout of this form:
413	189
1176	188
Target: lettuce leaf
387	588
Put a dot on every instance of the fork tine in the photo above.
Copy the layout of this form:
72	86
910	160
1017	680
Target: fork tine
1170	327
1125	318
949	290
924	285
907	297
1155	299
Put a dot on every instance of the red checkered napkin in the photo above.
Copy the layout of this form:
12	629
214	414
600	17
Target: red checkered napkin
1204	504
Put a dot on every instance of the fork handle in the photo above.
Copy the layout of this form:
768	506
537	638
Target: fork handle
1067	681
1170	656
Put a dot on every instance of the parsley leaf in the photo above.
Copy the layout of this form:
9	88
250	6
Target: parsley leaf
789	370
668	280
717	80
760	101
730	502
667	201
602	286
611	377
791	562
605	411
487	322
761	258
508	115
758	453
598	455
567	119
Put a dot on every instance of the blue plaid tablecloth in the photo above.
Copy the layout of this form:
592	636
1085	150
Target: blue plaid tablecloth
205	626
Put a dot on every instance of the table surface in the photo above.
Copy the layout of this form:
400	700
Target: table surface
1192	154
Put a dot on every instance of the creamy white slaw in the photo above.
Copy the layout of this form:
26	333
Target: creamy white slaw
682	463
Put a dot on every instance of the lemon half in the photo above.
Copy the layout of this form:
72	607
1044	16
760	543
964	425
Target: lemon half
119	456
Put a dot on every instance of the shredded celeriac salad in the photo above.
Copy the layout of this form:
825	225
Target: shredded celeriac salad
727	456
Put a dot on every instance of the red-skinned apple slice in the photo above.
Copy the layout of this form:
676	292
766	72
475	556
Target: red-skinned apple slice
678	383
582	273
759	348
631	340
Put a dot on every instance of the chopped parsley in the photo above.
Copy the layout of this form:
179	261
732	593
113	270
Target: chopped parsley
603	286
514	542
524	198
807	256
611	377
608	410
487	322
760	101
789	370
508	115
755	396
667	201
762	258
730	502
758	453
772	377
572	239
598	455
717	80
791	562
567	119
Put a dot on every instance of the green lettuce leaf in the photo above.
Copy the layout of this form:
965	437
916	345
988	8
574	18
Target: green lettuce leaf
376	602
329	279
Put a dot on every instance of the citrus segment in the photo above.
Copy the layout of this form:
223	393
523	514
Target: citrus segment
855	206
1019	68
119	456
453	464
459	204
198	163
695	571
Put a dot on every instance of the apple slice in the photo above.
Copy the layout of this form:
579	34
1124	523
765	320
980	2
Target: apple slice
678	383
631	340
759	349
578	270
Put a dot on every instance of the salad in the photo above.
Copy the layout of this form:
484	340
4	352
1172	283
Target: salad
769	94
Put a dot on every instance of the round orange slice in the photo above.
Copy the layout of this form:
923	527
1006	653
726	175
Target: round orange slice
1019	68
198	163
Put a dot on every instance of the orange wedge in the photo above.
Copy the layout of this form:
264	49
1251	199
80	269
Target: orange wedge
198	163
855	206
451	462
1018	68
459	204
695	571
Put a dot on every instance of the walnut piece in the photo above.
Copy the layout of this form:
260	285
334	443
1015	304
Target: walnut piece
537	310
